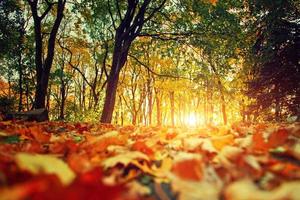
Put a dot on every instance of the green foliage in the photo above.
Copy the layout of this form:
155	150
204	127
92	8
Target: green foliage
9	26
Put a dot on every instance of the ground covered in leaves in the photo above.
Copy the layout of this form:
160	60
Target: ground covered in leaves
56	160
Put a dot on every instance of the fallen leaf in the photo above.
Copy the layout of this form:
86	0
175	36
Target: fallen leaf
247	190
221	141
142	147
36	163
190	169
194	190
124	159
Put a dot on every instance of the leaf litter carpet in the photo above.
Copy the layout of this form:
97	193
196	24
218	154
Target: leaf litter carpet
58	160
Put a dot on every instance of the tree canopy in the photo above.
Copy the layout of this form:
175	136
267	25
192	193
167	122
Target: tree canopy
151	62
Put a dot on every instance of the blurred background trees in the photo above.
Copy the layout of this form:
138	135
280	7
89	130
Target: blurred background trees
184	62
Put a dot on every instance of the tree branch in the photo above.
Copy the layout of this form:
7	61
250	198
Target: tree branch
153	72
74	66
111	15
167	36
118	10
49	7
154	11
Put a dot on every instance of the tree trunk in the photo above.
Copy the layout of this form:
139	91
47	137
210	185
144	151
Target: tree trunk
150	103
83	108
110	97
158	108
129	28
20	62
20	107
63	101
223	103
172	108
43	68
27	96
121	48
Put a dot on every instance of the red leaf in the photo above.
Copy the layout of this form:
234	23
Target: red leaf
38	134
188	169
142	147
278	138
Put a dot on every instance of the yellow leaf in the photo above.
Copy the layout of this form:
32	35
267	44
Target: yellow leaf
36	163
3	134
247	190
220	141
124	158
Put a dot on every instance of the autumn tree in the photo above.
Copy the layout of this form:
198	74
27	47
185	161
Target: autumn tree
44	58
275	85
131	21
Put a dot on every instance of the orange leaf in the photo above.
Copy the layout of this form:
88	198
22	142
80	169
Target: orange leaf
170	136
213	2
38	134
259	142
103	143
221	141
79	163
275	139
278	138
188	169
142	147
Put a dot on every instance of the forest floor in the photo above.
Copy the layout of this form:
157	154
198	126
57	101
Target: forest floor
58	160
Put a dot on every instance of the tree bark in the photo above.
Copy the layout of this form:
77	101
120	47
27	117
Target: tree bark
129	28
111	91
43	66
63	101
158	108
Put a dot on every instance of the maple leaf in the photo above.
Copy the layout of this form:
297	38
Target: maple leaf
188	169
36	163
142	147
125	159
194	190
263	141
221	141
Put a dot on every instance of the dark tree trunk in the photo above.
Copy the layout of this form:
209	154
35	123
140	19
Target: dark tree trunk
27	96
63	101
129	28
20	107
20	62
109	103
83	91
43	68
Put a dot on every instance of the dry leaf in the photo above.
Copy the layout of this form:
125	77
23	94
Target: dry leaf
125	159
247	190
36	163
194	190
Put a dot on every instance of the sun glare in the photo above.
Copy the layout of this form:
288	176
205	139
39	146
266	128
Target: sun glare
191	120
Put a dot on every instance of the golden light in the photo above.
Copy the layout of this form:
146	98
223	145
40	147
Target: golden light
191	120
